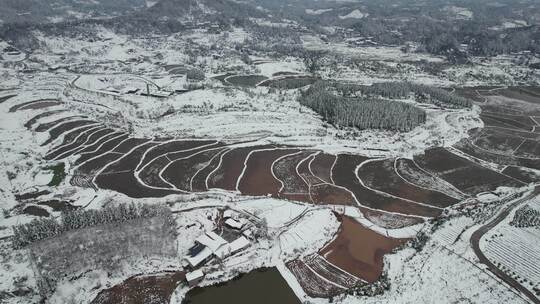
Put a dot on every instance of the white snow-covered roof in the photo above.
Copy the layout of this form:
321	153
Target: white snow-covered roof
211	240
194	275
200	257
233	223
228	213
231	248
247	233
223	252
239	244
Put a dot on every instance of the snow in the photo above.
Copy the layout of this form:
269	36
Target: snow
510	24
233	223
194	275
276	212
501	243
235	246
211	240
200	257
308	234
388	53
228	213
318	11
287	65
239	244
460	12
356	14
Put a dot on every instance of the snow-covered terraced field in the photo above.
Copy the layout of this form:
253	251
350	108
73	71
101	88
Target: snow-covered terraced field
389	192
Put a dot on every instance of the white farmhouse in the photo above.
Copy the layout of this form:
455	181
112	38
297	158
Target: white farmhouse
194	278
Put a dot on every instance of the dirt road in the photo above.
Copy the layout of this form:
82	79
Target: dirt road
475	243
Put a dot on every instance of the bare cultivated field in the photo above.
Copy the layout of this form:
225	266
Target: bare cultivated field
150	288
359	250
463	174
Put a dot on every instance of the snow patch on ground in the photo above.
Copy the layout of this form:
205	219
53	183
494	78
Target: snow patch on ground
356	14
317	11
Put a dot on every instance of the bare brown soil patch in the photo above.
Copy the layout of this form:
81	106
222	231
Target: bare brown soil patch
142	289
66	127
322	165
327	194
226	176
180	172
359	250
258	178
199	179
344	175
35	211
382	176
34	119
108	146
462	173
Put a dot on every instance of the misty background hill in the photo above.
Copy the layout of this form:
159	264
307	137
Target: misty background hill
453	28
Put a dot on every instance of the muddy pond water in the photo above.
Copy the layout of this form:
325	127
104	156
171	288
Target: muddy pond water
262	286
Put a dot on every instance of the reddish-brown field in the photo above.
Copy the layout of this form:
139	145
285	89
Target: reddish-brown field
381	175
173	146
108	146
232	164
180	171
199	179
327	194
463	174
293	186
322	166
257	178
344	175
144	289
81	139
359	250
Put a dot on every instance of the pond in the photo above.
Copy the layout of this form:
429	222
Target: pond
262	286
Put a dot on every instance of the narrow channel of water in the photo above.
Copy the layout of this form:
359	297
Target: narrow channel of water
262	286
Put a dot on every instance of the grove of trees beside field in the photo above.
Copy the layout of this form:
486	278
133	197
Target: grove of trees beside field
368	113
402	90
40	229
372	107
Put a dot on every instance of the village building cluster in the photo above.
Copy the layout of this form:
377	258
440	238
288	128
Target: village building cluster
211	245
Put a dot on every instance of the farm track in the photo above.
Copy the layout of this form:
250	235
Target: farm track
478	234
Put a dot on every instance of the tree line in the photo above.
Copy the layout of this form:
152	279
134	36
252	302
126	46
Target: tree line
399	90
40	229
362	113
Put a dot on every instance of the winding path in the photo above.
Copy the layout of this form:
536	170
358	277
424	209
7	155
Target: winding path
475	243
